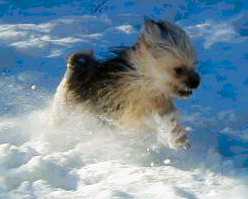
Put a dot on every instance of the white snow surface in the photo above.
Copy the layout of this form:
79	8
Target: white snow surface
83	159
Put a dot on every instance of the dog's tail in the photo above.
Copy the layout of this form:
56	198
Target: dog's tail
77	60
80	67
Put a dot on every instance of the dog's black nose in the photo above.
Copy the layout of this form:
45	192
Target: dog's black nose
193	80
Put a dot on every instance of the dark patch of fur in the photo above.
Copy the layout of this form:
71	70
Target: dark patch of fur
86	76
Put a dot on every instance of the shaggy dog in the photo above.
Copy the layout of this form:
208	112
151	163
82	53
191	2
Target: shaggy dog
140	81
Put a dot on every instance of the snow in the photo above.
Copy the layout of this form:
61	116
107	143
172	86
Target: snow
84	159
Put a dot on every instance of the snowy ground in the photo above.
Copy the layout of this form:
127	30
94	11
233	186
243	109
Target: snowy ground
83	159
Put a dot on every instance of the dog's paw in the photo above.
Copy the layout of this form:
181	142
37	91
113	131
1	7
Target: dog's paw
179	138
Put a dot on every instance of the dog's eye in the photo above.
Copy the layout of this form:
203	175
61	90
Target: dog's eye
179	70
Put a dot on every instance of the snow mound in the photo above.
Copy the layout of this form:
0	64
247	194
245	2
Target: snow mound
83	158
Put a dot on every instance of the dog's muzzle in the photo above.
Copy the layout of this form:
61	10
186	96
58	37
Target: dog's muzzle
193	80
190	83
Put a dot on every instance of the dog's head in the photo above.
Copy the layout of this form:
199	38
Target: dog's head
173	57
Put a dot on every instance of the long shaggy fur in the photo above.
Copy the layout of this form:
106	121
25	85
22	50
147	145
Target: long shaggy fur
138	82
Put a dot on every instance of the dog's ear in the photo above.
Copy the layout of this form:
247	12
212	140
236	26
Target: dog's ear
167	25
151	26
151	31
171	27
148	19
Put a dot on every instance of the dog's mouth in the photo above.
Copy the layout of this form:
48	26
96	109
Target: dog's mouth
183	92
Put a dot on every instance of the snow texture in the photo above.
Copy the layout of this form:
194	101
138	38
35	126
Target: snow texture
84	159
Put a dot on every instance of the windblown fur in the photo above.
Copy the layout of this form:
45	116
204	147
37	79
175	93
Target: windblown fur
138	82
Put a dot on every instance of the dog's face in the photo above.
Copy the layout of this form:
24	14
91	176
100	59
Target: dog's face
173	56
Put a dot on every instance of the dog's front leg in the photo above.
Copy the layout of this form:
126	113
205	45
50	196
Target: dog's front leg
174	133
179	138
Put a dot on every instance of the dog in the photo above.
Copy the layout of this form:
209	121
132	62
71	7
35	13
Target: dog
138	82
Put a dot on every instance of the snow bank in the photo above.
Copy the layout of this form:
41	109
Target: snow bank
83	158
